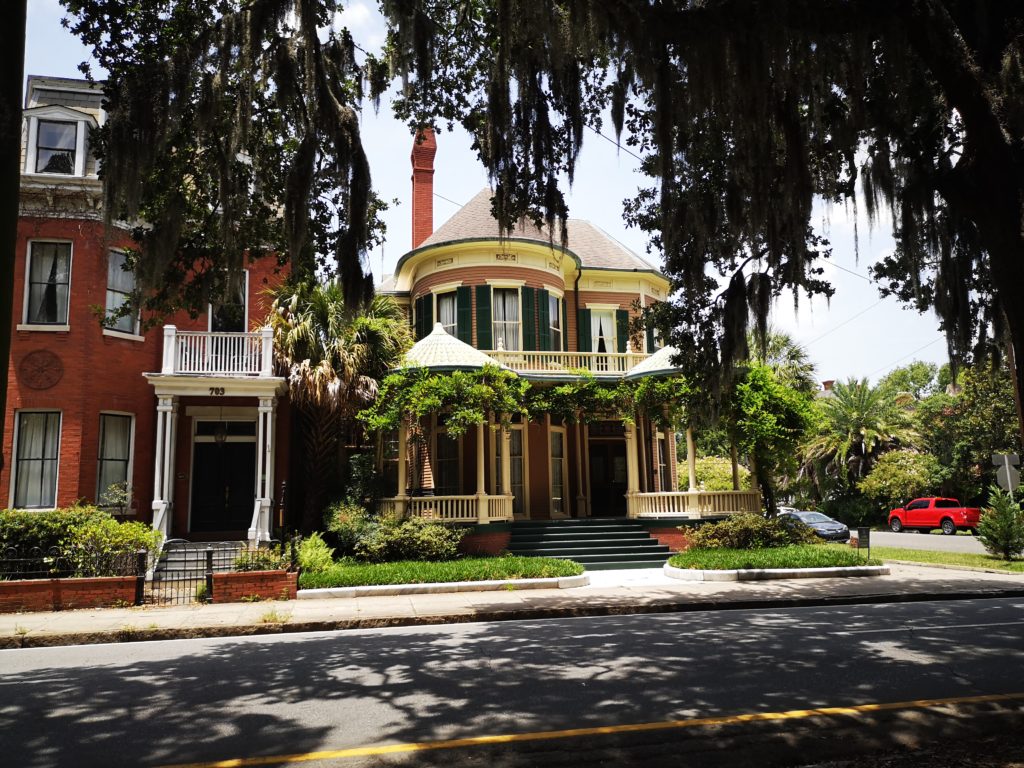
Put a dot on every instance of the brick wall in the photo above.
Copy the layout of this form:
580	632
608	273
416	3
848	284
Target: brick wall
263	585
673	538
60	594
485	543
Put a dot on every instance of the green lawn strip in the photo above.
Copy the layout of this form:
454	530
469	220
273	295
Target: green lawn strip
799	556
422	572
969	559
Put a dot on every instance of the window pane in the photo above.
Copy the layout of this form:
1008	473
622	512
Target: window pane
120	283
56	135
446	311
55	147
229	316
506	318
49	275
36	459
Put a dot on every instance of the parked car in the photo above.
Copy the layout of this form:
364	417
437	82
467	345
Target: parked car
934	512
823	525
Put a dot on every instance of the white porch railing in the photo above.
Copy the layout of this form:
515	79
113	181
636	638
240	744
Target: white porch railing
217	354
598	363
450	509
696	504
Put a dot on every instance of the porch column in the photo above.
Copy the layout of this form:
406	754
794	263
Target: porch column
169	405
403	456
170	461
506	461
691	458
632	481
259	527
586	468
481	490
581	499
159	506
643	441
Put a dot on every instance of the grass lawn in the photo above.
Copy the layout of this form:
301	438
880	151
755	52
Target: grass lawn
351	574
798	556
948	558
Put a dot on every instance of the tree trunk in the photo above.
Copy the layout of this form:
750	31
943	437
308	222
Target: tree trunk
320	444
12	64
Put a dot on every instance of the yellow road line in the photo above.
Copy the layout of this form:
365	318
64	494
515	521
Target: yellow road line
603	730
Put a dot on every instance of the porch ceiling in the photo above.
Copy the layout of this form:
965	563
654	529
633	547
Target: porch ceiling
167	385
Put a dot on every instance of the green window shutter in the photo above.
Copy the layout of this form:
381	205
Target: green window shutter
428	314
543	320
650	338
583	341
621	329
565	326
419	318
464	314
528	299
483	318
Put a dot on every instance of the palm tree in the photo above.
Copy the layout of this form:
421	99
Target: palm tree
333	358
787	359
857	423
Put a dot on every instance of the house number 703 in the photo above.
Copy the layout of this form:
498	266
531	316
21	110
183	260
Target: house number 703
216	390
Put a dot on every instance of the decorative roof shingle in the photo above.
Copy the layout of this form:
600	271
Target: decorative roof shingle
595	247
440	351
658	364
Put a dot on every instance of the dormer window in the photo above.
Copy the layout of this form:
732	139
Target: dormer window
56	144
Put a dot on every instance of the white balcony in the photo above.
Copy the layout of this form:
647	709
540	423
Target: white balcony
195	353
566	363
693	504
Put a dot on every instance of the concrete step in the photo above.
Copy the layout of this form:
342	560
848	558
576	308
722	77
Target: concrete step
567	538
624	552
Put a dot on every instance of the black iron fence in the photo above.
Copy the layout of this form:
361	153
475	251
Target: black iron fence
181	573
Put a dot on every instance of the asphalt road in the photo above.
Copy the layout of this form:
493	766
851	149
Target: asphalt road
932	541
196	701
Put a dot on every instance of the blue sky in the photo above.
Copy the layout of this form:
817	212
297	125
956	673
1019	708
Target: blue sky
856	334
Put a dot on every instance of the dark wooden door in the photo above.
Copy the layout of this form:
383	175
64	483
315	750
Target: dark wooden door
607	478
223	486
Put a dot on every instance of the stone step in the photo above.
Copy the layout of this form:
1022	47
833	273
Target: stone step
578	555
519	546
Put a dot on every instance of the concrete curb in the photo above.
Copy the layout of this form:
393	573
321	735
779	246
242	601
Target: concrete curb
766	574
383	590
950	567
520	614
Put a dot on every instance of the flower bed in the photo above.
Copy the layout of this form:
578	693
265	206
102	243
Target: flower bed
796	556
350	574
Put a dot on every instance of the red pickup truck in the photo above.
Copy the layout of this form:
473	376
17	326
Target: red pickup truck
934	512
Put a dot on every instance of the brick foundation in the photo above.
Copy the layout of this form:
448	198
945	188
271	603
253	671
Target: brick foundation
673	538
488	543
61	594
258	585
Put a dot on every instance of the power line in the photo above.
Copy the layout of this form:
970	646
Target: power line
619	145
909	354
845	322
448	200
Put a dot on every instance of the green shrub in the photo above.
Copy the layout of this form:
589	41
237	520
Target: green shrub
899	476
1001	527
314	554
751	532
413	539
262	559
345	523
365	484
44	529
102	546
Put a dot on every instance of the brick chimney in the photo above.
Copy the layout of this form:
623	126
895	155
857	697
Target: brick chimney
826	385
424	148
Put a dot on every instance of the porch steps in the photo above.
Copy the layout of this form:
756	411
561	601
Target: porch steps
181	559
595	543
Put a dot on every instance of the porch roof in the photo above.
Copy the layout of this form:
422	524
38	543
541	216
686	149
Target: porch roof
658	364
440	351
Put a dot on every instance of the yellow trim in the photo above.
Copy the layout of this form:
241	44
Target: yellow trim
606	730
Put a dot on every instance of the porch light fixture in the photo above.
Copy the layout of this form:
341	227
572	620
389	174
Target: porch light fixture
220	432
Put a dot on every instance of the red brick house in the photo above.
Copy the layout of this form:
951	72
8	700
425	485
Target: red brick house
184	417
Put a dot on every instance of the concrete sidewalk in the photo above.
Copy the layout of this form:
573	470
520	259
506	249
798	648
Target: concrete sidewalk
610	592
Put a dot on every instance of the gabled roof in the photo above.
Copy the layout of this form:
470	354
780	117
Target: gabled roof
594	247
440	351
658	364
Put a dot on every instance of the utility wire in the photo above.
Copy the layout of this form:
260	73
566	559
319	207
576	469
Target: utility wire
909	354
845	322
619	145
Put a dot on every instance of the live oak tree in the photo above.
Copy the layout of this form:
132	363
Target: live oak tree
747	111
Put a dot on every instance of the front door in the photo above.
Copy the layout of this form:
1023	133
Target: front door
607	478
223	486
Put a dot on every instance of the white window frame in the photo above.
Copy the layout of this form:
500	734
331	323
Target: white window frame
552	317
26	324
519	311
134	333
131	453
57	114
438	295
564	511
15	460
245	298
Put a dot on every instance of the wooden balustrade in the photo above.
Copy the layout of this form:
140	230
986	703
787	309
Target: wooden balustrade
217	354
449	509
695	505
598	363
